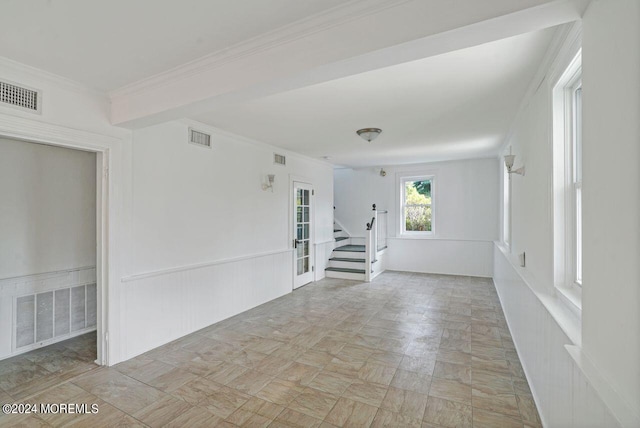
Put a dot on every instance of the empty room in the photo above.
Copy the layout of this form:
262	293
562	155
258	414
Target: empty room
320	213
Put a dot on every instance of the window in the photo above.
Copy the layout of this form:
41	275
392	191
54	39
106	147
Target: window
567	177
417	205
506	204
576	119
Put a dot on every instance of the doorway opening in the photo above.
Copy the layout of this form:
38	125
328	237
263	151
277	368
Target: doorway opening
52	233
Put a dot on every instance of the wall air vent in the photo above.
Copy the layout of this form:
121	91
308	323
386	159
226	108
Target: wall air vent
20	97
199	138
279	159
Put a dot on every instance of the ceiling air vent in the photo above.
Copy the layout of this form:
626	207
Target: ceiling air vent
19	96
199	138
279	159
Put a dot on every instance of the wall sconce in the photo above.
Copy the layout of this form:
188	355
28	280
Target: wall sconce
269	184
508	162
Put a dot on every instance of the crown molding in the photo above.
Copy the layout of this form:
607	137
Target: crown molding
43	132
345	13
42	75
565	39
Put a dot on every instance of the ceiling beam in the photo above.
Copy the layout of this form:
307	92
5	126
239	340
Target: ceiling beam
364	35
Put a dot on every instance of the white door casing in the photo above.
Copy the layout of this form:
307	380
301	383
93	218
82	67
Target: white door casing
302	233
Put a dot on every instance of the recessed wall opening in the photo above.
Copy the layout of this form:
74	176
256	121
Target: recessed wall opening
50	248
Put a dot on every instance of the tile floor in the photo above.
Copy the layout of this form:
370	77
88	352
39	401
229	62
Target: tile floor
410	350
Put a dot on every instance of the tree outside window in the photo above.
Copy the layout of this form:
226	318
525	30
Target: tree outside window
417	205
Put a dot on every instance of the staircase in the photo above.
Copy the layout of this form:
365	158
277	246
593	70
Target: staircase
347	260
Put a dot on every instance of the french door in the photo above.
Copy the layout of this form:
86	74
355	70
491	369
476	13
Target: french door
302	234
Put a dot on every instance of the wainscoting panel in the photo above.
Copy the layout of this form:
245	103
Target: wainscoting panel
444	256
563	394
159	307
38	310
322	254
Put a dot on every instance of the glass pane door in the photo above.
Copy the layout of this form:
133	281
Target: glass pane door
302	234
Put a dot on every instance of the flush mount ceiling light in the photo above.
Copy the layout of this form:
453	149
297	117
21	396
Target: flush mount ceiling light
369	134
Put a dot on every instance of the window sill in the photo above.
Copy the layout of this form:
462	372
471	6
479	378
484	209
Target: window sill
568	319
425	235
571	296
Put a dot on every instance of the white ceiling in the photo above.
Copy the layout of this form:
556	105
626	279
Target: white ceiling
455	105
106	44
302	74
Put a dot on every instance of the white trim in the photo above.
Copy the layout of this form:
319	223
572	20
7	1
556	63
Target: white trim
564	209
325	20
308	185
563	315
152	274
616	403
42	275
434	238
328	241
565	38
57	80
47	281
401	179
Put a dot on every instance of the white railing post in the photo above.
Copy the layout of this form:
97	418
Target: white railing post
375	231
368	251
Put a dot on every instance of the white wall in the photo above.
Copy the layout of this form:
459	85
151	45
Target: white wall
74	116
606	339
193	205
190	233
563	393
208	242
465	214
611	296
48	211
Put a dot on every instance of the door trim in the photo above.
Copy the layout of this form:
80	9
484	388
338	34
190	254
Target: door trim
312	233
31	131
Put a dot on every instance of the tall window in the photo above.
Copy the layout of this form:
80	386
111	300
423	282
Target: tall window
506	204
567	176
576	119
417	205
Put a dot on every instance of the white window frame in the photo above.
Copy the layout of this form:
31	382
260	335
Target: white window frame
566	187
416	233
576	182
506	203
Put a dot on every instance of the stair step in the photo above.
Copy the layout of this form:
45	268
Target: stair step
353	248
341	238
337	230
346	259
348	270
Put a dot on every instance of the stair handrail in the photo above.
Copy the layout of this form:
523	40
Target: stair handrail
380	233
369	249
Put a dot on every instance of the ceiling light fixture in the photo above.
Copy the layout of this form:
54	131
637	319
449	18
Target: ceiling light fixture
369	134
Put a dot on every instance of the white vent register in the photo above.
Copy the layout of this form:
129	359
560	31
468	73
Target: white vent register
279	159
199	138
54	315
20	97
